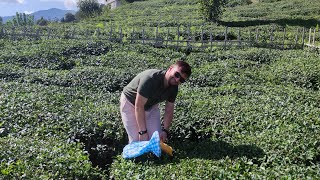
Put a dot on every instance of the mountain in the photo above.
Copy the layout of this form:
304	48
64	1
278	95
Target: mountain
50	14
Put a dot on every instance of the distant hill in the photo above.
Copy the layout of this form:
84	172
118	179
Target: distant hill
50	14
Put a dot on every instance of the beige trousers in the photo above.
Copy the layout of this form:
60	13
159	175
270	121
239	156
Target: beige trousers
153	122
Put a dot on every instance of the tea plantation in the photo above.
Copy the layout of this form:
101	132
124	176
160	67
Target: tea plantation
249	113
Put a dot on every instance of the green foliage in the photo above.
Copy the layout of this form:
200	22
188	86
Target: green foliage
284	12
69	17
42	22
23	19
44	158
88	8
211	9
243	113
233	3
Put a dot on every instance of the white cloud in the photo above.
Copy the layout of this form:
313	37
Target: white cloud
70	4
11	1
28	12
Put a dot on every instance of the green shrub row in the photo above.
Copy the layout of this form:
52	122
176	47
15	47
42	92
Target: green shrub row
50	54
242	114
71	114
50	157
94	78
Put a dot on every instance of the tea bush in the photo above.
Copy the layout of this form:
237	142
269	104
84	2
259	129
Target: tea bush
45	158
243	114
247	113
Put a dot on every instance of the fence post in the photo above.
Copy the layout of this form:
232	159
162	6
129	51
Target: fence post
73	32
157	28
13	34
225	37
303	36
319	34
239	38
49	32
98	32
121	35
87	33
110	33
257	35
189	39
296	38
143	36
201	37
167	38
250	43
309	41
178	37
2	32
24	32
271	36
314	36
284	36
38	34
132	35
211	39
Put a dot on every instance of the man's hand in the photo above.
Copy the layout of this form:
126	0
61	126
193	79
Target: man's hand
163	136
144	137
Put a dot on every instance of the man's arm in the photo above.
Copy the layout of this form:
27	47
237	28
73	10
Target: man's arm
167	118
140	116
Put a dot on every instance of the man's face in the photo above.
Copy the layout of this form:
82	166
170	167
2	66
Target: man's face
176	77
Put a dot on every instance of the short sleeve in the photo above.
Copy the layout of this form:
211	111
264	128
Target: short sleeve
146	86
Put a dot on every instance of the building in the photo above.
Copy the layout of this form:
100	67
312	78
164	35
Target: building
113	3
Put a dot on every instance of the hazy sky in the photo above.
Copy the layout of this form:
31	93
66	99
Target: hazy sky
10	7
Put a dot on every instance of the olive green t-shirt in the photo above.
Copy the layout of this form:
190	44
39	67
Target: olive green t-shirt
150	84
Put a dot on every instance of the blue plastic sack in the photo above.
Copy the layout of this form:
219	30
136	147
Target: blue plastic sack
138	148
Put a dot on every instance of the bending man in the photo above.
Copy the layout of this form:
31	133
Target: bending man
139	102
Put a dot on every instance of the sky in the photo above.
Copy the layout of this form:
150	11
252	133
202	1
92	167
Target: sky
10	7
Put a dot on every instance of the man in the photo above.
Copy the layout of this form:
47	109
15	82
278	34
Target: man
140	98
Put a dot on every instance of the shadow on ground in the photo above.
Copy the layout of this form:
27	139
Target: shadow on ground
216	150
207	149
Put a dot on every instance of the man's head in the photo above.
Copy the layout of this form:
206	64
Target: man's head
178	73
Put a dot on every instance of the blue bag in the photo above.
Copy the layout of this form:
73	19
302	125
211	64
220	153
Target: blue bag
138	148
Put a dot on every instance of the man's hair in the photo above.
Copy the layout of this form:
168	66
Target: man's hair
185	67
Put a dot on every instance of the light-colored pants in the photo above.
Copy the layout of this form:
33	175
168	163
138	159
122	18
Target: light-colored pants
153	122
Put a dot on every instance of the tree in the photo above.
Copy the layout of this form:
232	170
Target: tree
30	20
9	23
25	22
1	20
18	19
22	19
212	9
14	21
42	22
69	17
88	8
